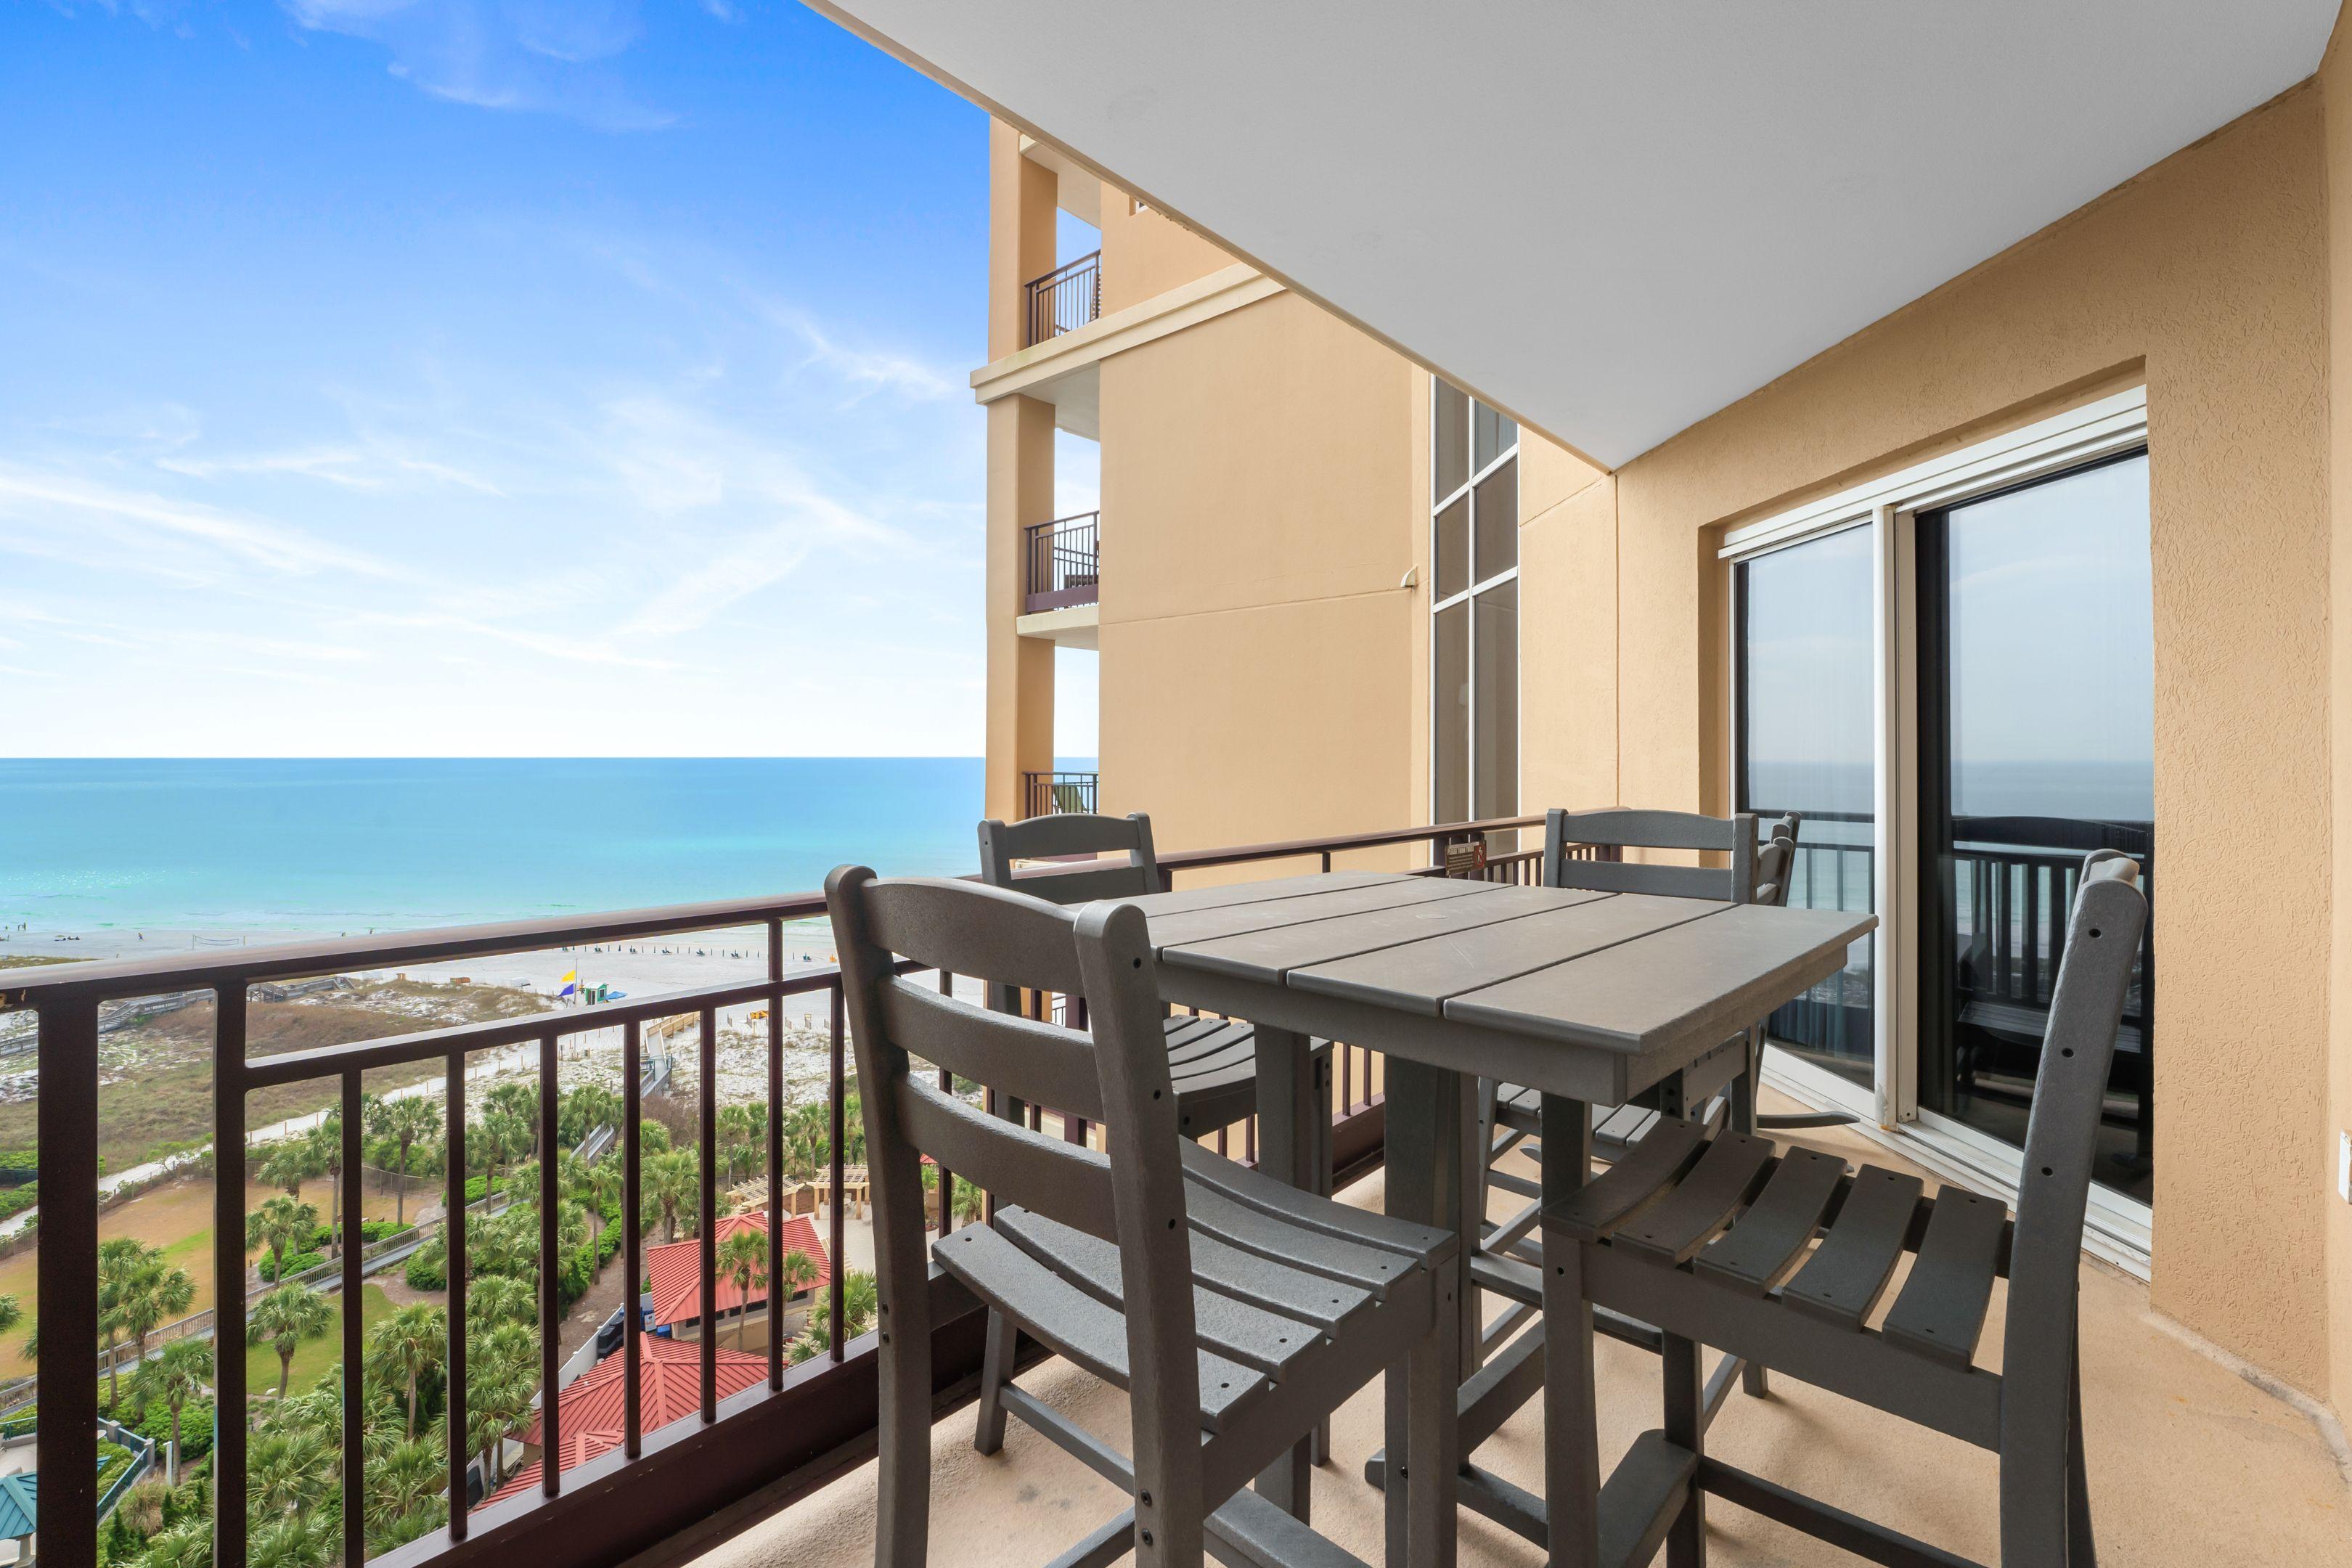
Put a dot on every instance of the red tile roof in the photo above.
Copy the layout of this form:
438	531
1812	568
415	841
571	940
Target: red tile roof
669	1389
676	1268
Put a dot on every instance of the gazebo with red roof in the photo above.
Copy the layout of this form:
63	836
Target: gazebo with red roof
675	1269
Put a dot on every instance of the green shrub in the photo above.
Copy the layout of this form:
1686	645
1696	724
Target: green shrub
195	1427
17	1200
295	1263
428	1267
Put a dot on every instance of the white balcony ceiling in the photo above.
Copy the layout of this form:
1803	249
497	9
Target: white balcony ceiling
1612	218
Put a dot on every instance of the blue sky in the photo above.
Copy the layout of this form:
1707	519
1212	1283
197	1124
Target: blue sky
505	377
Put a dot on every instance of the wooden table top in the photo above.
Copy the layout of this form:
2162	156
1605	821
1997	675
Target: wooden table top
1621	973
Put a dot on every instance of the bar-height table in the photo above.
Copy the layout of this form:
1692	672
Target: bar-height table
1586	997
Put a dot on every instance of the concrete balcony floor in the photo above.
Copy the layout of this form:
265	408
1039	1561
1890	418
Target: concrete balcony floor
2190	1463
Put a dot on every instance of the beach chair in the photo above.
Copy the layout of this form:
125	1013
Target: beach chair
1235	1310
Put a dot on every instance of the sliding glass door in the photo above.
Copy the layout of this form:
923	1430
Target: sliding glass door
2036	727
1803	624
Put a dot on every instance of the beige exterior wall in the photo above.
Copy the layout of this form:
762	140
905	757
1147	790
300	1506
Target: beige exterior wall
2206	276
1264	486
2335	91
1148	253
1258	678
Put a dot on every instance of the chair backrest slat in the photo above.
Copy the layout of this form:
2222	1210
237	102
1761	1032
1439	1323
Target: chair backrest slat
1627	829
1061	1179
1776	862
1041	1063
1071	834
1012	940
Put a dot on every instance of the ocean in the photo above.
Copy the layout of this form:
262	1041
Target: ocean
334	846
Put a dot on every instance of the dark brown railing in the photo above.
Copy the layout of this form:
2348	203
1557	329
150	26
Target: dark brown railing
1049	794
1064	563
670	1491
1064	300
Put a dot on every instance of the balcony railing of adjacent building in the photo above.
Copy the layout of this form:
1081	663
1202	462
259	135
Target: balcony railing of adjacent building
668	1491
1049	794
1064	563
1064	300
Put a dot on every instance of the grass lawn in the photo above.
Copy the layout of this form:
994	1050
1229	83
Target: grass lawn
316	1355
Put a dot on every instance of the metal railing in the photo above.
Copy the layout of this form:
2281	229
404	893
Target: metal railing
1061	793
666	1490
1064	300
1064	563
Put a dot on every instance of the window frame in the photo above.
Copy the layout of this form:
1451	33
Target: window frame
1468	596
2119	1228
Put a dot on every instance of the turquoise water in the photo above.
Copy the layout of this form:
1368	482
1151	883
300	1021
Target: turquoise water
334	846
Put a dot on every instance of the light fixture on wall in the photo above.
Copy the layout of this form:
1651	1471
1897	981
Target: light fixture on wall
1410	579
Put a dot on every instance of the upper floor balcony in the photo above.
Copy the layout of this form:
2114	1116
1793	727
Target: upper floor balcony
1062	300
1063	562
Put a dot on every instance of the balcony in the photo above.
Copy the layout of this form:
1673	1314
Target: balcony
1063	559
1062	300
671	1442
1045	795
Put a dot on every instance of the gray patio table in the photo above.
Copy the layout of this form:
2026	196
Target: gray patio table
1588	998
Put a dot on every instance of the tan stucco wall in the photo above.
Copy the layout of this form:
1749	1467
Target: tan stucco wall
2207	274
2335	88
1147	253
1257	654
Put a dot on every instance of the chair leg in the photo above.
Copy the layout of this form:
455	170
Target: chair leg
1319	1441
2081	1552
995	1366
1433	1459
1753	1379
903	1461
1686	1426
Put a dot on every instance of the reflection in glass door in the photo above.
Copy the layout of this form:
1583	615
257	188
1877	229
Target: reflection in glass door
1805	725
2036	740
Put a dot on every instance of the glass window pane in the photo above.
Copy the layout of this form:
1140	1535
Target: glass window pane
2048	726
1454	549
1449	455
1805	746
1496	505
1451	701
1495	433
1496	687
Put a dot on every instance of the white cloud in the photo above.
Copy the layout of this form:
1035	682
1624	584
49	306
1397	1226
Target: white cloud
554	57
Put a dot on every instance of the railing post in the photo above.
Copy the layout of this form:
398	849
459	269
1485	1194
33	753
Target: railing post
775	1155
706	1251
453	1247
354	1330
632	1240
66	1273
551	1276
835	1241
228	1275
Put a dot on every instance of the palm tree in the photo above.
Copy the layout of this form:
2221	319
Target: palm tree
406	1482
669	1185
498	1138
288	1167
743	1258
740	1125
286	1317
517	1099
412	1341
148	1296
326	1143
179	1374
586	1107
304	1540
280	1224
497	1298
498	1388
119	1260
288	1468
588	1183
408	1120
11	1313
797	1273
187	1544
